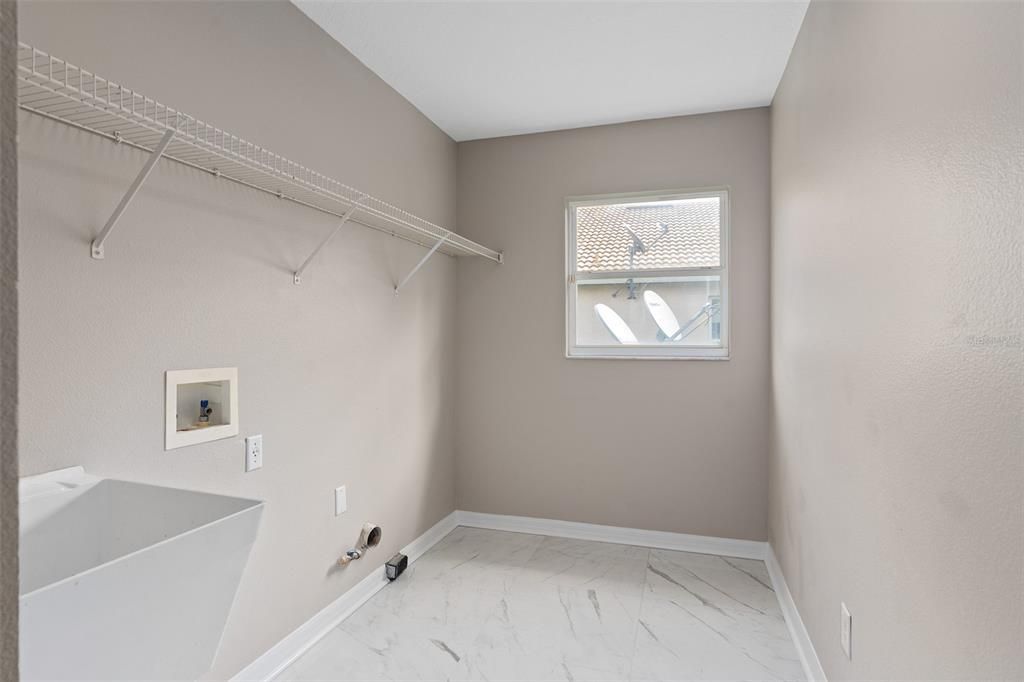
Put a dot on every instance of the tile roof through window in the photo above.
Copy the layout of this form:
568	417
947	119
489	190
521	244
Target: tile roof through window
692	238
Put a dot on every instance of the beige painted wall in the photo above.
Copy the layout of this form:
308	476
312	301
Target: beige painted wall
667	445
347	383
897	298
8	344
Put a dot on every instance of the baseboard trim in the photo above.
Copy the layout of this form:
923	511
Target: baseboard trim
702	544
285	652
802	640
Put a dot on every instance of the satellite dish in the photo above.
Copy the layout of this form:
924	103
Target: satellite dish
636	244
615	325
662	314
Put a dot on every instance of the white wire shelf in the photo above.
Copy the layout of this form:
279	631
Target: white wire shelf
60	91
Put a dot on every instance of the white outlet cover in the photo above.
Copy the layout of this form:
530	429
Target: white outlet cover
845	629
340	501
253	453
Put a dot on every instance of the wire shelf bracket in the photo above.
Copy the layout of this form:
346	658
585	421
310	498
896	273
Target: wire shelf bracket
297	277
423	261
97	244
62	92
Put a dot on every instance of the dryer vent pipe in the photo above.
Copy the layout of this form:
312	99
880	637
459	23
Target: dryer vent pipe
368	537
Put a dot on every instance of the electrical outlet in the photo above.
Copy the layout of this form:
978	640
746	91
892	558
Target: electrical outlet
340	501
253	453
845	629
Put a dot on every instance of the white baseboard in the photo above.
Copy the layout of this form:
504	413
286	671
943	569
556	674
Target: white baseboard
741	549
285	652
802	640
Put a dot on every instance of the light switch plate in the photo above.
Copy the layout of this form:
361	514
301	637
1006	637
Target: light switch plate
253	453
340	501
845	629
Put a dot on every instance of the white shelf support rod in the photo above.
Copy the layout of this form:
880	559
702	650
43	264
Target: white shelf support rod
297	278
422	262
97	244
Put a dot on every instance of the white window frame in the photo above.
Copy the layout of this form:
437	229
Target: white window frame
573	350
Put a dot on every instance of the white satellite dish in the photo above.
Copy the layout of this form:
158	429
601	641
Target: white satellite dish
615	325
662	314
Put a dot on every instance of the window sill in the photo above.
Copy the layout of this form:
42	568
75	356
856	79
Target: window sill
699	358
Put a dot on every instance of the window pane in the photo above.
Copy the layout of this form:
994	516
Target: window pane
678	311
682	233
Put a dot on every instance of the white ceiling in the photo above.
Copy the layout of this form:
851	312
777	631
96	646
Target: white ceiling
487	68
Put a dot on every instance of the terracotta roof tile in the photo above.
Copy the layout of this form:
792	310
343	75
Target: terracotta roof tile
692	238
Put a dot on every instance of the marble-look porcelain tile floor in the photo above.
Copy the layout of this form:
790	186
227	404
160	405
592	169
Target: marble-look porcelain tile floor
492	605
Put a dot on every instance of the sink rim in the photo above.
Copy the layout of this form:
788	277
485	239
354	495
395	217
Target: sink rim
52	483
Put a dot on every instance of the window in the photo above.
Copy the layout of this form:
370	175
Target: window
648	275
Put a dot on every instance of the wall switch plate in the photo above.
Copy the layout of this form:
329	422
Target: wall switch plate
845	628
253	453
340	501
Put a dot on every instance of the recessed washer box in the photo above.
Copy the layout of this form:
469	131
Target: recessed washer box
201	405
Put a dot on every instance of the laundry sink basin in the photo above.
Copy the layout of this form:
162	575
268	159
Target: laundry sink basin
122	580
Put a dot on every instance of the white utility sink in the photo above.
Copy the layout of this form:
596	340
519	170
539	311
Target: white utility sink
124	580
